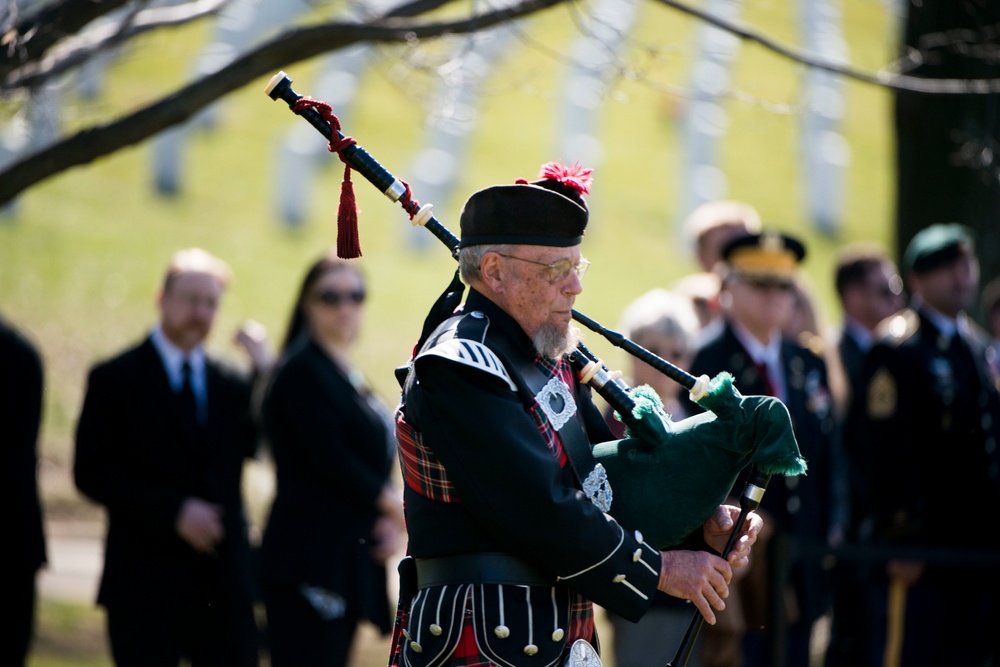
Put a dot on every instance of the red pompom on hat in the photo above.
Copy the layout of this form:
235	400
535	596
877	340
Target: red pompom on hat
550	211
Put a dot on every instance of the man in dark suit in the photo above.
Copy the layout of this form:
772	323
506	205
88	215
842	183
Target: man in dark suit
930	423
758	297
161	444
21	377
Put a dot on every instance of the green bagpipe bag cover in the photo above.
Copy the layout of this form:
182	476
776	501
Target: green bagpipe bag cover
668	477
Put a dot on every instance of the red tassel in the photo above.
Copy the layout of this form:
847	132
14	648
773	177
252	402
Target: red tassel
348	240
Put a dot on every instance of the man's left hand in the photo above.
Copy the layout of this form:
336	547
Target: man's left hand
718	527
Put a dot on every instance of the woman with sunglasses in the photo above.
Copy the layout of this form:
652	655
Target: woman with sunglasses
336	516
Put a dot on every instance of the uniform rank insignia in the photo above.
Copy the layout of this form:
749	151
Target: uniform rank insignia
598	488
881	395
556	402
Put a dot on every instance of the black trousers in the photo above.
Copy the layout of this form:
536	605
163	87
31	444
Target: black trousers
208	633
19	600
298	635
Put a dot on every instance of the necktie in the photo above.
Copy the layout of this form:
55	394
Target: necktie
766	377
965	366
186	401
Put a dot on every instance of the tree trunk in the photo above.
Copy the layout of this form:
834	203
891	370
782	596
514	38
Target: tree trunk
948	146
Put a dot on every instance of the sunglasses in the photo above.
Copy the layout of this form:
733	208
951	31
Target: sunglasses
332	298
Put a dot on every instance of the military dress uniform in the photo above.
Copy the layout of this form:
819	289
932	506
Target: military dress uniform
852	616
801	508
506	557
929	422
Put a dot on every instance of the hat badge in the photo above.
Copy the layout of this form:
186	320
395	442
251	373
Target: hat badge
772	242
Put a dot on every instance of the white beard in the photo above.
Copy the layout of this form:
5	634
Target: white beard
552	343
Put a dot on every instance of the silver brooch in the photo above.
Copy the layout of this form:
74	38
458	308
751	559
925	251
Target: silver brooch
582	654
556	402
598	488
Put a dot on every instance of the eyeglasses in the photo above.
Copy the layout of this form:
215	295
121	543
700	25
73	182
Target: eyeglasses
332	298
557	271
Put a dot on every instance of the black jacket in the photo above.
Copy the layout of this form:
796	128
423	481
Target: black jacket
332	457
21	381
133	456
514	495
930	425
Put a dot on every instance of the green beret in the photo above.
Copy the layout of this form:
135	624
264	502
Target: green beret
550	211
936	246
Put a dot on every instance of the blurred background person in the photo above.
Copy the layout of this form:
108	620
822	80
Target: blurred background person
251	337
758	298
869	289
336	517
702	289
804	324
21	390
991	308
991	314
666	323
161	444
709	227
929	424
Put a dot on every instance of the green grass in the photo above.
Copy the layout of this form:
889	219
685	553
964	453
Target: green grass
81	254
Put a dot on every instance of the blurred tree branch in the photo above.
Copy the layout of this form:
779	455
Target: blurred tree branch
292	46
76	50
37	48
883	77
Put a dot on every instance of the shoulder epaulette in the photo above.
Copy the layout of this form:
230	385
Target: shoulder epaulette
456	341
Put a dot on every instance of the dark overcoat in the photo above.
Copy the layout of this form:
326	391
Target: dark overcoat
332	460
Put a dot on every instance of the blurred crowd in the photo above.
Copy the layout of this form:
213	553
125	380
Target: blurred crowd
878	556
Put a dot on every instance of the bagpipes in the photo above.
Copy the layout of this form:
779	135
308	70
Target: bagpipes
667	476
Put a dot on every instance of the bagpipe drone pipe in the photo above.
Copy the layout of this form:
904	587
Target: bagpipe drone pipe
667	477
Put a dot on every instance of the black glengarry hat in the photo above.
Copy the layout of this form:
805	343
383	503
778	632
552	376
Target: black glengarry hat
936	246
550	211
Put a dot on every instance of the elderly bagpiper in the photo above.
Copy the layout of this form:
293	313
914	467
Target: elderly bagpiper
506	553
